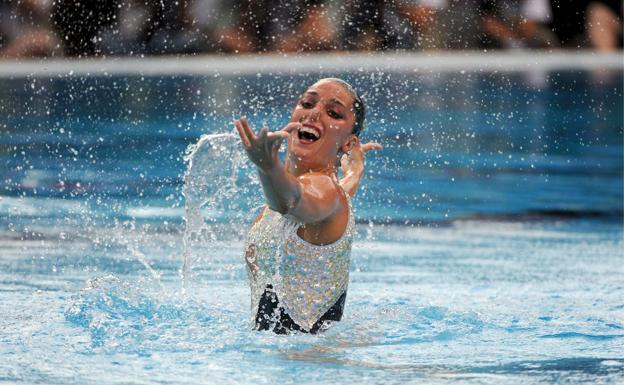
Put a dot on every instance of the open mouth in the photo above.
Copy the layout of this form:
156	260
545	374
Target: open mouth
309	134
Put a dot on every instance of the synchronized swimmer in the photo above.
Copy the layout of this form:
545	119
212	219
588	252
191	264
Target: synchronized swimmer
299	247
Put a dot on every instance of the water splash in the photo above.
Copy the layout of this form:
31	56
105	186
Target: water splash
217	198
109	306
120	318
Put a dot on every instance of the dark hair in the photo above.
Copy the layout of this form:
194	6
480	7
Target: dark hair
358	106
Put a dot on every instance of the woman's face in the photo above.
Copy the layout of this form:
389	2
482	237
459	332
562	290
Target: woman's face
326	113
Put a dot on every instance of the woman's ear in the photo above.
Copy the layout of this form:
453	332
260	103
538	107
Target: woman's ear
349	143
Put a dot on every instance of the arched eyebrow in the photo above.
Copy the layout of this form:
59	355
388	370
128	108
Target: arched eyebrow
337	101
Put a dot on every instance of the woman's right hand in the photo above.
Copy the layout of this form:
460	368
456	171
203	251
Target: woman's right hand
263	149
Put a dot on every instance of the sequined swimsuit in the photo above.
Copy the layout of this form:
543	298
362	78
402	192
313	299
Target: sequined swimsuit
295	285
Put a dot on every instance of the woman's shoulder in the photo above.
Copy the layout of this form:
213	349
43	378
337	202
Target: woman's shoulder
319	179
322	184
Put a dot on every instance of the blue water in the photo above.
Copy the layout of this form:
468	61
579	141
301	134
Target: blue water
489	248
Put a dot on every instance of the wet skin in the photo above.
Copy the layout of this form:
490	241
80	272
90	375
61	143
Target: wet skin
306	188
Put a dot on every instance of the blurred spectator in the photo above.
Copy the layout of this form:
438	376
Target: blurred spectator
25	29
169	28
516	23
283	26
395	24
150	27
207	18
604	24
143	27
128	32
422	17
306	26
456	27
567	21
245	27
551	23
79	22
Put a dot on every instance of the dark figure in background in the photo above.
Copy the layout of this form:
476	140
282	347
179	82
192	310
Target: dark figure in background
116	27
25	29
249	28
169	29
516	24
550	23
364	27
604	24
79	22
152	27
308	26
394	24
283	26
568	22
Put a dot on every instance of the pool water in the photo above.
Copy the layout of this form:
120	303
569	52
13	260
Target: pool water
489	246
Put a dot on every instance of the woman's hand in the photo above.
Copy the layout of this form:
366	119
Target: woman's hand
352	165
263	148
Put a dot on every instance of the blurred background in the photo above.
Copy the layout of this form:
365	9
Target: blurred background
38	28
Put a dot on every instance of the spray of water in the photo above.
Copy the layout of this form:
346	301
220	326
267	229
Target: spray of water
217	198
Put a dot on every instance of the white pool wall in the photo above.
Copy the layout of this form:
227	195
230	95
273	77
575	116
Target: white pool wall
501	61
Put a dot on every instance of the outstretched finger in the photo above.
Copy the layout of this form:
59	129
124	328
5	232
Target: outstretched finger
261	139
278	135
250	134
370	146
242	134
262	135
344	163
292	126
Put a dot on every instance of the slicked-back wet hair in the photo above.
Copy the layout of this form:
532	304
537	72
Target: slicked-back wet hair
358	106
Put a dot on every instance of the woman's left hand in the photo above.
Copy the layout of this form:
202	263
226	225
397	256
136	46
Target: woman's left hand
352	165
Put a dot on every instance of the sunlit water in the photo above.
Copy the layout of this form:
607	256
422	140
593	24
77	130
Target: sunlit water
489	244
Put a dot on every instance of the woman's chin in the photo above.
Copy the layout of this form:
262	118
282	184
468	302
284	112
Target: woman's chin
299	155
303	156
301	150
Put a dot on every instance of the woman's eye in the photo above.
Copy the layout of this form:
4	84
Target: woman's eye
306	104
334	114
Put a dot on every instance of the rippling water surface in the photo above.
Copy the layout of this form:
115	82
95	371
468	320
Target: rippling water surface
489	244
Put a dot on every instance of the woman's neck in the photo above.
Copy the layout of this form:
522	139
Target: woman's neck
298	168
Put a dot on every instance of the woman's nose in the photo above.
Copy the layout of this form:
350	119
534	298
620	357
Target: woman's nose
312	115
